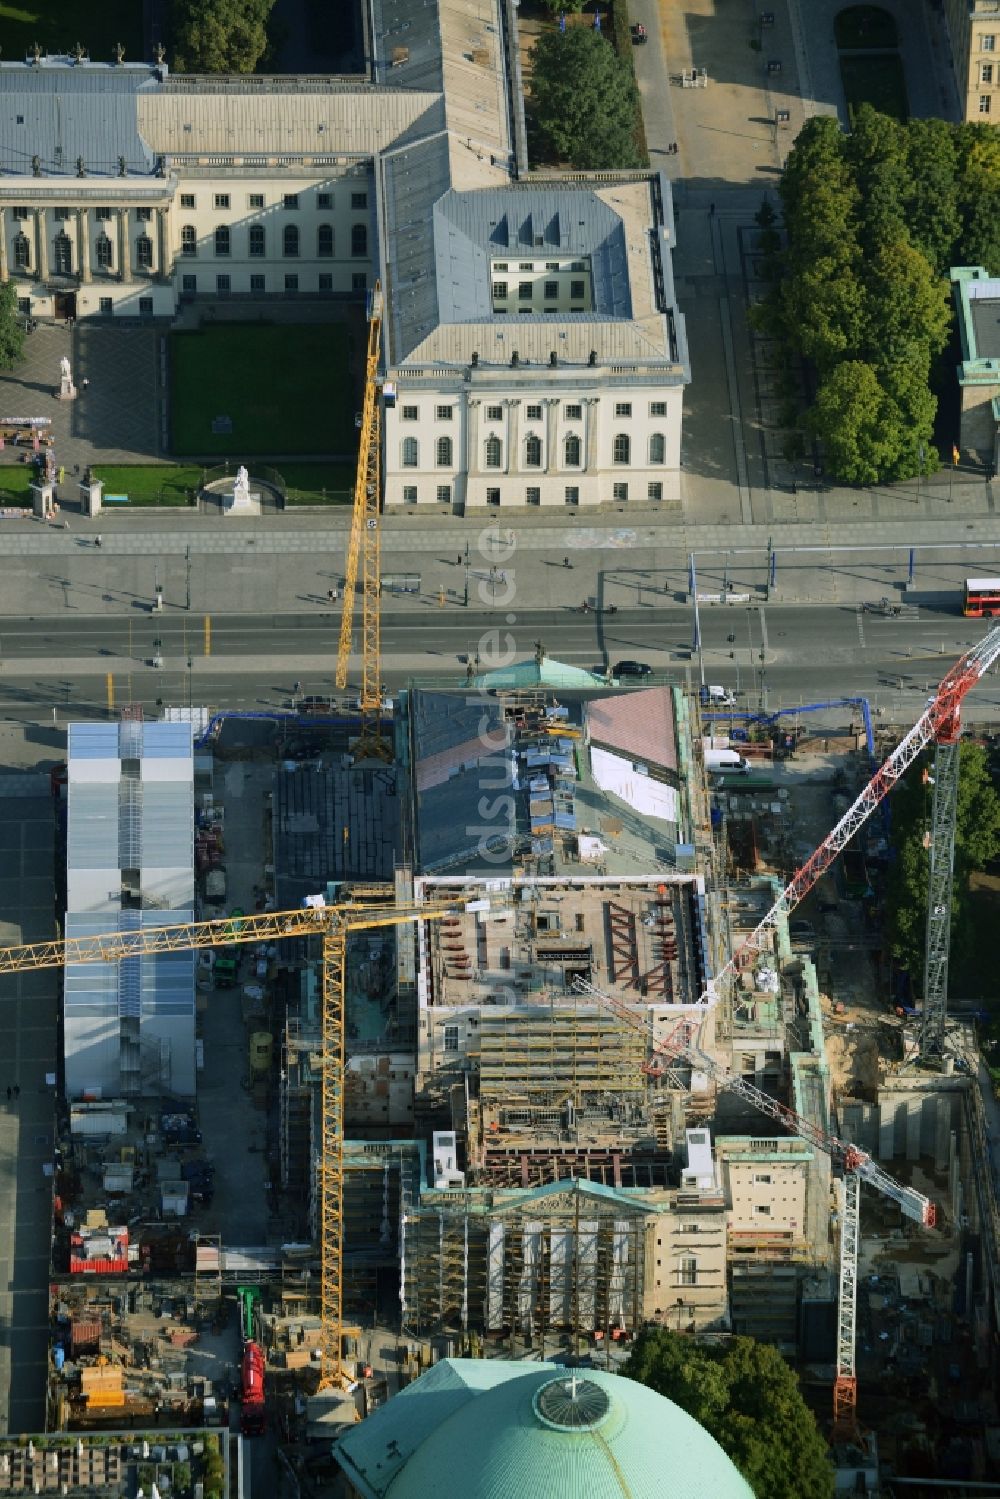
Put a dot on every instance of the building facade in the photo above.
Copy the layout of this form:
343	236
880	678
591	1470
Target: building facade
532	350
974	30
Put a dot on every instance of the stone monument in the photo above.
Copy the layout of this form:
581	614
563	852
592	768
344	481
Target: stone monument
240	501
67	390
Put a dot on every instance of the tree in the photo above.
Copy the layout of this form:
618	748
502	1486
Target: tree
858	425
11	331
747	1398
219	36
586	101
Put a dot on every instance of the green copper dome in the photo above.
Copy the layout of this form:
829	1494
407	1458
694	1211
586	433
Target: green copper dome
488	1429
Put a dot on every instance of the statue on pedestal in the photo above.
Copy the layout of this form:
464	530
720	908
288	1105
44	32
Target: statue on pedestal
67	390
241	488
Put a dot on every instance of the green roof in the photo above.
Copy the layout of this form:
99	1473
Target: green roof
493	1429
546	673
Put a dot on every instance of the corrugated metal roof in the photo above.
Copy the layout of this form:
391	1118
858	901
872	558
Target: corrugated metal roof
482	1422
167	825
92	826
163	983
168	740
59	110
91	741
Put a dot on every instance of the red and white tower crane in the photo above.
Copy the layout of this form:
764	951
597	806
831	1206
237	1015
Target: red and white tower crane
940	722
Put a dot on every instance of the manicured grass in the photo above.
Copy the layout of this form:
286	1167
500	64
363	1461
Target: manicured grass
149	484
877	81
318	483
865	26
57	26
286	389
15	483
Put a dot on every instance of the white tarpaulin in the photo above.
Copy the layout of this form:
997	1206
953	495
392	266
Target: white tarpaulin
640	791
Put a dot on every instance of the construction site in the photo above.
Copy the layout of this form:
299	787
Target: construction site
506	1023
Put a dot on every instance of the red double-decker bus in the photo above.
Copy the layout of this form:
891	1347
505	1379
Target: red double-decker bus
982	598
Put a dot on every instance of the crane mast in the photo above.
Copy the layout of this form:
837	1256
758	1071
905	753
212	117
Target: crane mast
941	870
364	553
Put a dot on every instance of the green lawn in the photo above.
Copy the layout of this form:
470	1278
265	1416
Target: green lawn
318	483
875	80
286	389
57	26
15	483
865	26
149	484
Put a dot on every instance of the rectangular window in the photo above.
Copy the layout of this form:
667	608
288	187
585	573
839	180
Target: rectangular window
189	283
762	1178
144	215
221	200
410	494
986	72
444	494
187	201
443	413
577	289
552	288
411	413
552	265
257	285
657	408
620	491
325	281
105	214
61	215
501	265
524	291
255	200
494	413
493	497
451	1038
988	42
654	491
20	213
533	495
359	200
145	307
534	413
689	1272
222	284
324	200
500	291
106	306
984	104
573	413
359	281
623	408
526	265
572	494
291	283
289	200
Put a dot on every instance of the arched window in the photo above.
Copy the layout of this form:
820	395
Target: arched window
359	239
63	258
22	252
571	451
324	241
494	452
256	239
533	452
657	448
189	240
290	240
143	252
443	452
222	240
622	449
103	249
411	453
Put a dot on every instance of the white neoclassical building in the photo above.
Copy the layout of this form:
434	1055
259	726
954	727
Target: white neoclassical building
533	352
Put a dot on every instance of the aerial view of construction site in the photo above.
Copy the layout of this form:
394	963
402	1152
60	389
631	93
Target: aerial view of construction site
394	1045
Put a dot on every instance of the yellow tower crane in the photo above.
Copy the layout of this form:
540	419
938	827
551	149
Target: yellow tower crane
364	551
334	924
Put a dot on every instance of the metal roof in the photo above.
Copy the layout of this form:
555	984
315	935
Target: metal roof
60	110
479	1418
637	724
160	984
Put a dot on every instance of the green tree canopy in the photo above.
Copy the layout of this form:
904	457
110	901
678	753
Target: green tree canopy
858	424
586	101
747	1398
219	36
11	331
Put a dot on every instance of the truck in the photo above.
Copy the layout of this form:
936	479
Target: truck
252	1411
727	760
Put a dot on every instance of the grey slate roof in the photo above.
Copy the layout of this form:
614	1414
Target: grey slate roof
60	111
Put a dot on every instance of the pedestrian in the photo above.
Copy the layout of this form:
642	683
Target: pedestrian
17	1091
711	214
62	474
567	562
329	595
98	541
297	688
84	383
458	560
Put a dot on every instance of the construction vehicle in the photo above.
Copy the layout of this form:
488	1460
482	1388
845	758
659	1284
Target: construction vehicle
364	552
370	907
253	1416
940	722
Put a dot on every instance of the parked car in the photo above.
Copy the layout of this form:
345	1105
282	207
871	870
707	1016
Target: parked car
631	669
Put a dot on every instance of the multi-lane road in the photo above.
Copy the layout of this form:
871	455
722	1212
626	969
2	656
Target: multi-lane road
779	654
